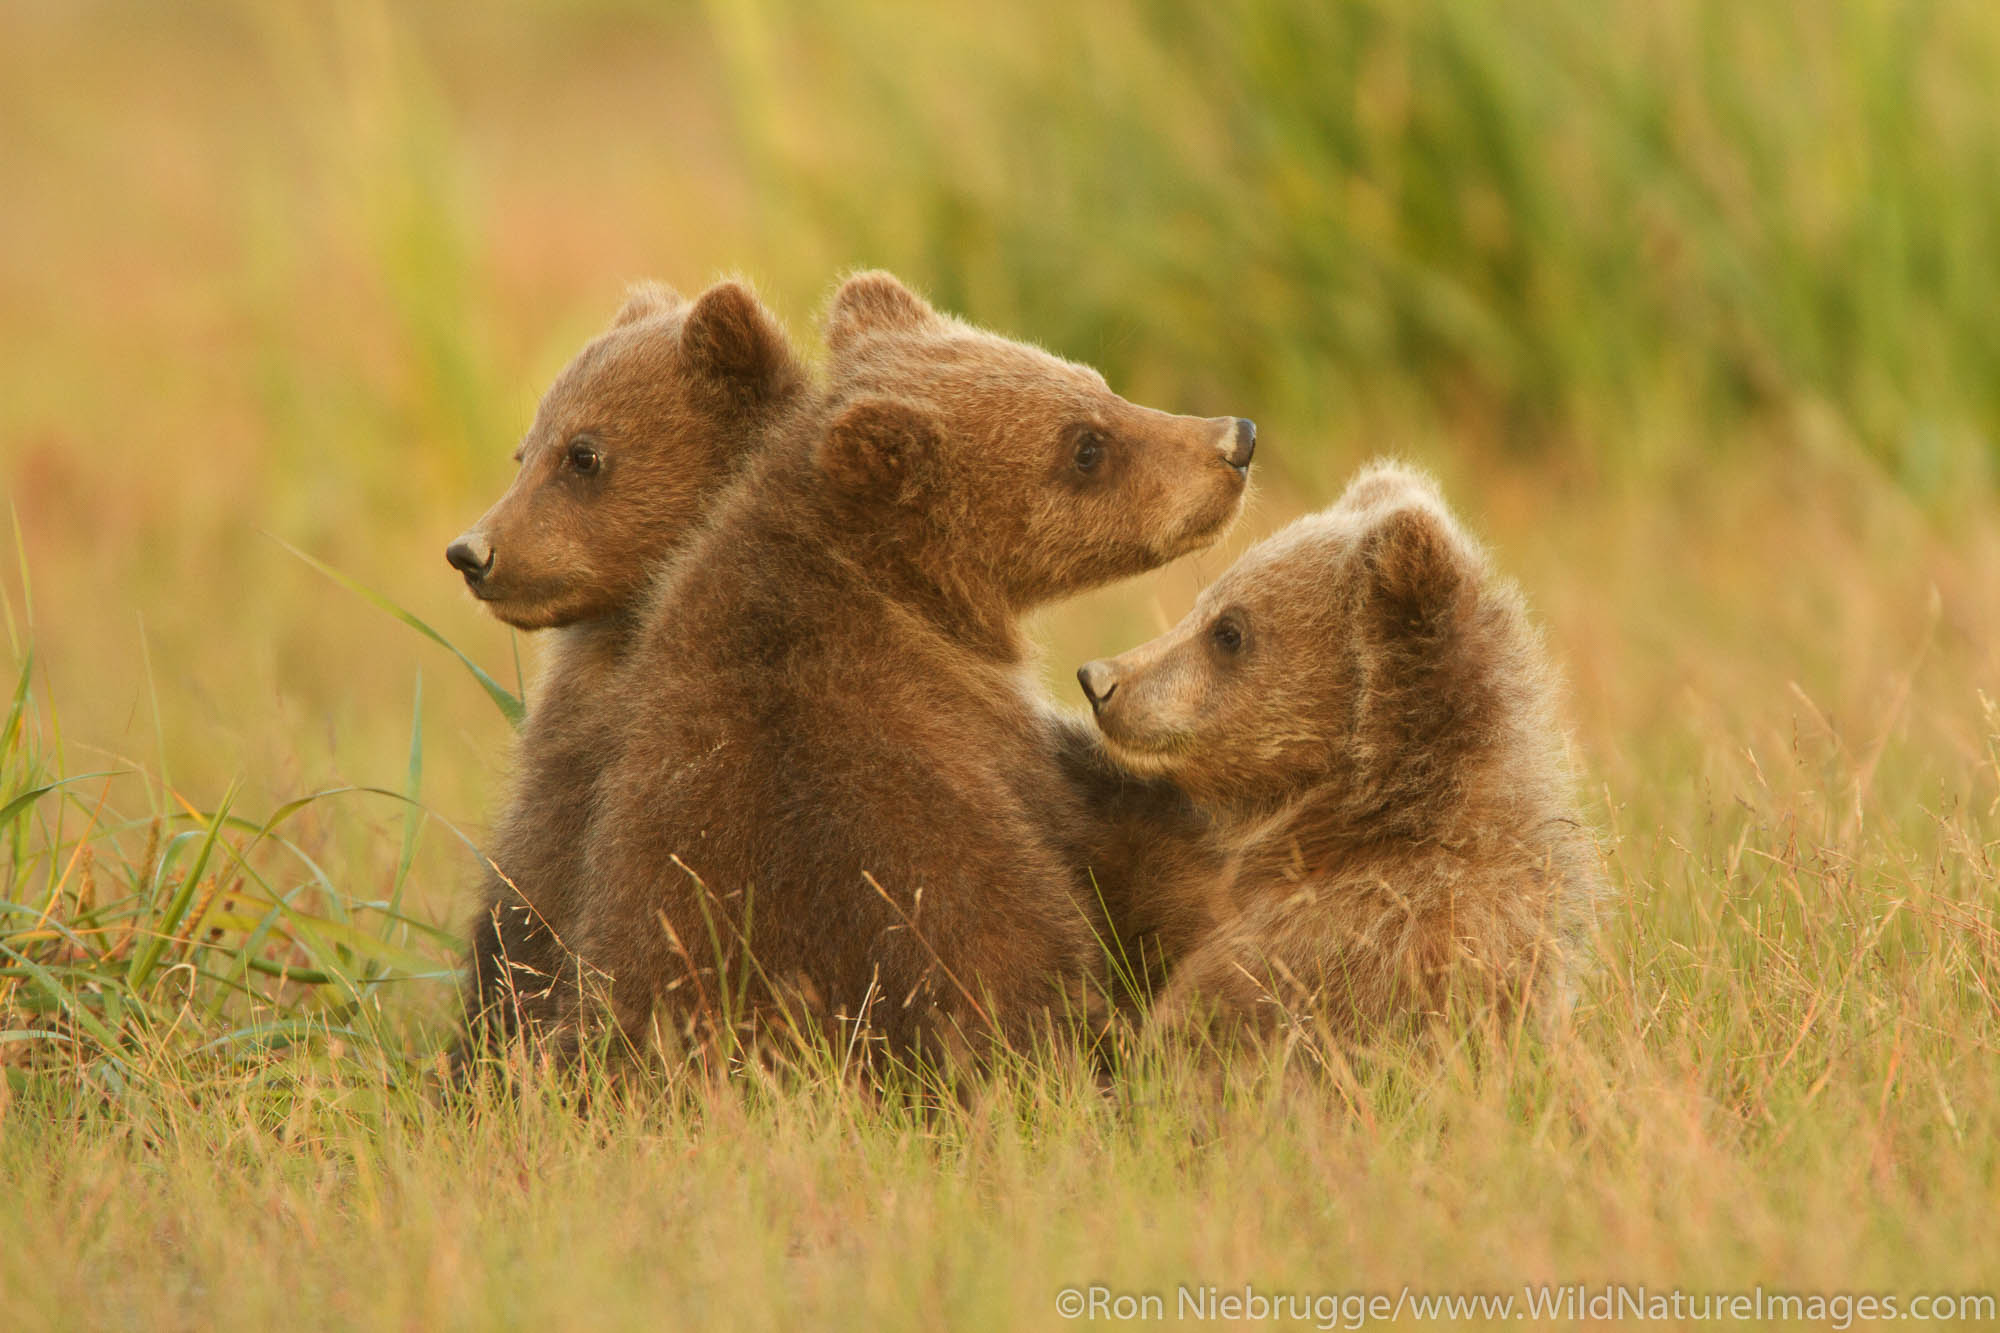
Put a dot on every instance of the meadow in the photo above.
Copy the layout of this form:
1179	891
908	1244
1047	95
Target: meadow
1688	306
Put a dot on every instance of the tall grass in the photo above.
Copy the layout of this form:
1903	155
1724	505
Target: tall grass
1537	220
148	944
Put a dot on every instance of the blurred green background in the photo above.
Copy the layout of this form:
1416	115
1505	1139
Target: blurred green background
1690	305
1535	223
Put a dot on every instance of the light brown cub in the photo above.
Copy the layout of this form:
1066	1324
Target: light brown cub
1364	706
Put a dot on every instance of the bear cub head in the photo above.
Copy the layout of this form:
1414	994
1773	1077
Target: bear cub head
628	448
1366	651
1005	472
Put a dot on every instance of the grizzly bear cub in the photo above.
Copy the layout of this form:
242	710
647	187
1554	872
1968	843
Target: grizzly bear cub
628	450
1364	706
830	805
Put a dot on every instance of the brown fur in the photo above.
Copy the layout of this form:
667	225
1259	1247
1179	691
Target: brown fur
1382	752
1126	834
833	753
672	399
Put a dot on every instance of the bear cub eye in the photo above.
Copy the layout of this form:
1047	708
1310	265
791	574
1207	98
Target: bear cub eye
1227	635
583	458
1089	451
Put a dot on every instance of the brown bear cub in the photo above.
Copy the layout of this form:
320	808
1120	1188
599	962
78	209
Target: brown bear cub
1363	704
831	806
628	450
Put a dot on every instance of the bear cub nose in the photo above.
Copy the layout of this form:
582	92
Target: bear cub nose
1246	444
471	555
1099	681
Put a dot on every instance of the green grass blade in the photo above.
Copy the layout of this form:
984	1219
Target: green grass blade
19	704
147	956
310	976
65	1001
509	703
34	1034
27	585
165	786
323	939
27	798
34	915
413	812
248	954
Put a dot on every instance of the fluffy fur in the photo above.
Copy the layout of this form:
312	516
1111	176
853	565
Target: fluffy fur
833	801
1365	708
627	453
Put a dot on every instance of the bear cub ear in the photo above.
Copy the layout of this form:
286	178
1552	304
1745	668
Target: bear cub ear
1386	484
730	335
646	300
878	446
872	303
1416	572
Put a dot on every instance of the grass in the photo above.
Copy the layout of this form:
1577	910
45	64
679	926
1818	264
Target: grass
1684	304
1532	221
